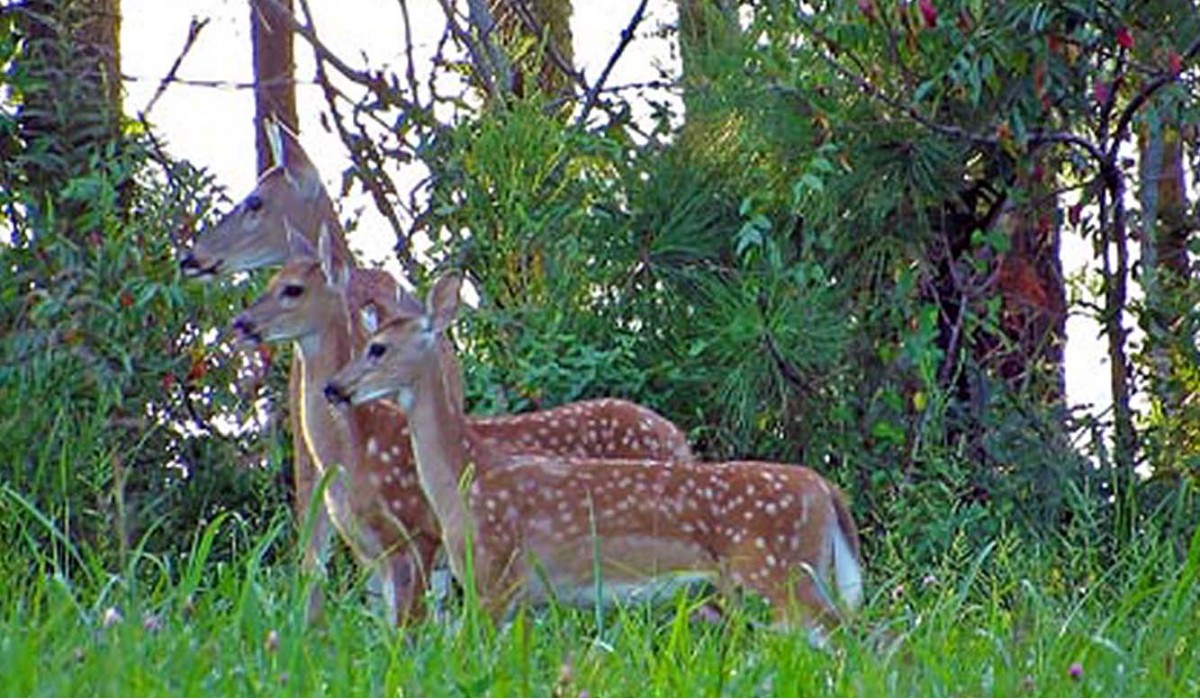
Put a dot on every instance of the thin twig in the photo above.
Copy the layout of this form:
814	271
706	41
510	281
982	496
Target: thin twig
410	71
193	34
627	35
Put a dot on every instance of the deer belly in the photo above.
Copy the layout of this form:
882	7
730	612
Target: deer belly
632	569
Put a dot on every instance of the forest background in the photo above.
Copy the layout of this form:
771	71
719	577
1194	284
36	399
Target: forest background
832	236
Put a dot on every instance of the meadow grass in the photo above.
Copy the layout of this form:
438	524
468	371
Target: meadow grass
1003	619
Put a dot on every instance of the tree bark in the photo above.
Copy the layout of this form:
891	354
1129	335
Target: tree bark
1033	292
274	74
707	29
547	23
1166	286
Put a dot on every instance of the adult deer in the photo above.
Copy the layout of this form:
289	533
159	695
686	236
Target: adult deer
377	505
539	527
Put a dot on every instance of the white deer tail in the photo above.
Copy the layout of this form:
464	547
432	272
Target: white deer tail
847	570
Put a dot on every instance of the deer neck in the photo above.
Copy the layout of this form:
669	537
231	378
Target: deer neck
331	435
439	435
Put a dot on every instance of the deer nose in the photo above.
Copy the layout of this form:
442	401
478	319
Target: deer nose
334	394
245	327
192	266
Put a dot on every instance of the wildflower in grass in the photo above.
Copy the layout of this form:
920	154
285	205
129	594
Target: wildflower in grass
566	678
111	616
929	580
271	644
152	623
1076	671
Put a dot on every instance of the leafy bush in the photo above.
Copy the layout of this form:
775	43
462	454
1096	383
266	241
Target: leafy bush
772	278
106	436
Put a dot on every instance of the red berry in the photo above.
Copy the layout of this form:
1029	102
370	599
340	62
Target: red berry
1124	38
928	12
1174	62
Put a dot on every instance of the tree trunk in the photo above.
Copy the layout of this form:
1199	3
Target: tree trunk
70	94
274	74
1033	292
1169	295
708	29
545	23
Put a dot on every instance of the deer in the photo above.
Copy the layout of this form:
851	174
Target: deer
374	500
289	197
290	200
537	528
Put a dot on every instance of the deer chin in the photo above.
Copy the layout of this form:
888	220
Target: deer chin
366	394
192	269
249	340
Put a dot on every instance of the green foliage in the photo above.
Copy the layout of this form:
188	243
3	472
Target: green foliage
60	107
804	271
102	429
807	269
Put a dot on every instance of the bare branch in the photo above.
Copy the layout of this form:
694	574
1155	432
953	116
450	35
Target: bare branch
373	82
193	33
410	70
627	35
1144	95
365	157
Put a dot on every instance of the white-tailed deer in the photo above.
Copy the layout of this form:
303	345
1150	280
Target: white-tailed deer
373	500
290	200
377	504
288	197
539	527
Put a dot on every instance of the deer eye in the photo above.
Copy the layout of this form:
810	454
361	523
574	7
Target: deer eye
376	350
292	291
254	202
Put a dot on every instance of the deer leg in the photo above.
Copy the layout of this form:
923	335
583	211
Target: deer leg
799	599
406	583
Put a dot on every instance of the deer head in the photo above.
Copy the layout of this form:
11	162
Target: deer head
254	234
393	358
301	296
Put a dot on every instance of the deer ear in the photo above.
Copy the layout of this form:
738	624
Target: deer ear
299	247
442	301
404	305
336	272
305	178
369	315
290	157
275	140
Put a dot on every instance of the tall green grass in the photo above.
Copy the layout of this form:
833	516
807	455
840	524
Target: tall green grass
1008	618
